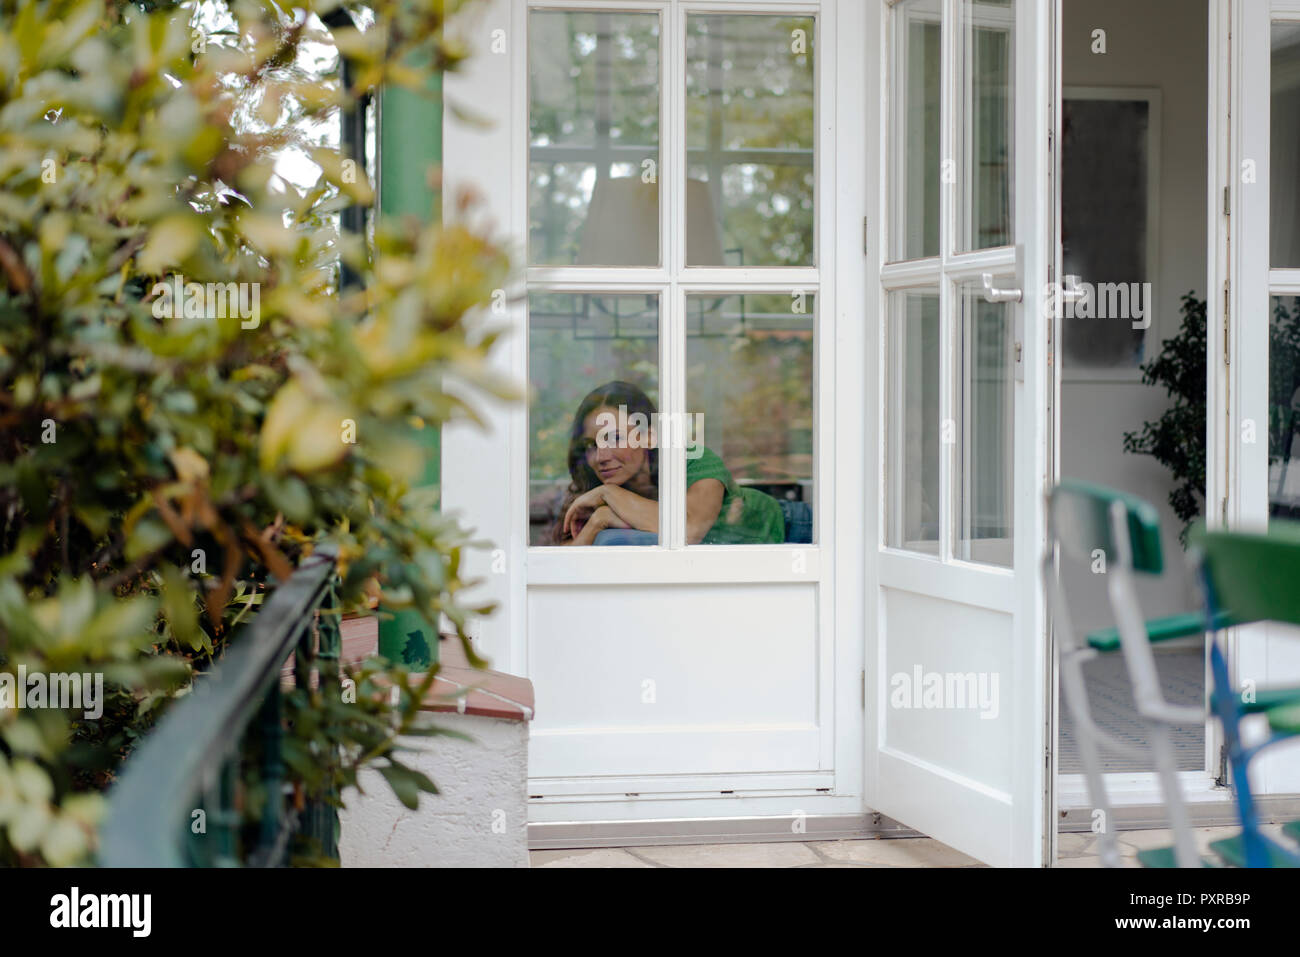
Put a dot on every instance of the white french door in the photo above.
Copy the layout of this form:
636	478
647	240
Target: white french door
667	172
1263	327
958	711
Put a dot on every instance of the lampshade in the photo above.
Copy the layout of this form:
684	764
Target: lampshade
622	226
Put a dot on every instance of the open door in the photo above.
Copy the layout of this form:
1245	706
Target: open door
1262	336
958	711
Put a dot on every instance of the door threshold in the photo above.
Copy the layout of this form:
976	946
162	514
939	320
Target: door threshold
735	830
1137	803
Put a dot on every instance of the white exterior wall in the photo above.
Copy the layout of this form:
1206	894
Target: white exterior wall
479	819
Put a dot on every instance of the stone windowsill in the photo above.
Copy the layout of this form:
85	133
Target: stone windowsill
492	694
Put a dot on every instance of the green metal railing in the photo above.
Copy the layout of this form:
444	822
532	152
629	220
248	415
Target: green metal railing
183	799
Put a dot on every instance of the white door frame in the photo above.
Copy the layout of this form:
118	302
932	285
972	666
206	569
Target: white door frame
1257	652
484	473
1128	788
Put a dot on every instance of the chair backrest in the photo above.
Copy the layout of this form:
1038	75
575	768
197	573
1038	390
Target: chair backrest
1080	520
1256	574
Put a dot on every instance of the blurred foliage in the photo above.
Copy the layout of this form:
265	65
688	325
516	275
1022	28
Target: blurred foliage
158	473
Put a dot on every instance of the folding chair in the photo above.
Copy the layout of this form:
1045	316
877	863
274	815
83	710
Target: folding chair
1082	519
1257	575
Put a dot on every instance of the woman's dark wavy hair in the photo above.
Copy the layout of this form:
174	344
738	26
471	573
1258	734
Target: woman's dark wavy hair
583	476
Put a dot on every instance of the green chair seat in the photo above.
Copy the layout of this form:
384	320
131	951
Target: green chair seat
1268	699
1285	718
1164	857
1233	852
1292	830
1158	629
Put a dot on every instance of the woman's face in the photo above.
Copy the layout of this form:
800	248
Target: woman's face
610	452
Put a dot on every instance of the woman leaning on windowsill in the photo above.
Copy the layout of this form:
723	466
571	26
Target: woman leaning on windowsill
615	482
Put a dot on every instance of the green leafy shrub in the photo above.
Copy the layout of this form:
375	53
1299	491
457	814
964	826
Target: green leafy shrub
160	467
1177	438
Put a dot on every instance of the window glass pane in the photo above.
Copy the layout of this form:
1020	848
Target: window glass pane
915	167
749	140
1284	408
914	422
986	124
1106	228
1284	150
985	407
749	400
593	364
593	126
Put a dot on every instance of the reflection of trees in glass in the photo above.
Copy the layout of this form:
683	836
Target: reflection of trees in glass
573	347
750	132
750	373
990	132
593	114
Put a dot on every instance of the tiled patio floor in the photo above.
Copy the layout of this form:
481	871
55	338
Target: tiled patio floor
1076	850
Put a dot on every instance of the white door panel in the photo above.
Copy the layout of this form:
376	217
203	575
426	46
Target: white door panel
965	384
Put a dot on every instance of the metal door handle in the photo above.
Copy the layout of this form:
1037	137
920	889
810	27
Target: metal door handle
1072	289
999	295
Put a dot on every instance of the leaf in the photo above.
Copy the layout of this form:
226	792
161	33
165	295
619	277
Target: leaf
287	409
407	783
179	610
148	536
291	496
28	824
170	242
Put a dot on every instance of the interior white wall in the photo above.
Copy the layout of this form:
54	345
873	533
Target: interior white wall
1149	43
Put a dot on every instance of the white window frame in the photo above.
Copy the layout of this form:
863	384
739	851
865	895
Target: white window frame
672	560
946	273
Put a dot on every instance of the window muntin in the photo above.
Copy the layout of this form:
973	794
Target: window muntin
743	118
951	354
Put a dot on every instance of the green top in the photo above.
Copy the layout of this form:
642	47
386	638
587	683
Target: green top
747	516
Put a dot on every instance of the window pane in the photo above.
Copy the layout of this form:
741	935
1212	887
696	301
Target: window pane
915	168
593	127
749	140
1284	408
1284	169
986	124
1106	156
588	355
749	397
985	408
914	423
